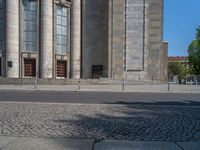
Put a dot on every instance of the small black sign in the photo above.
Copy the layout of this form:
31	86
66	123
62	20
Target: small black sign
9	64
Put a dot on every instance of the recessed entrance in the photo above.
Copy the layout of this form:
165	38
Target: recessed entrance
29	67
61	69
97	71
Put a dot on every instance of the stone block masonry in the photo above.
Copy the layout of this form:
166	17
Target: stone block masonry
12	39
121	37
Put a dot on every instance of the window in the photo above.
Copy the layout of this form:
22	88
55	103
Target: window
29	25
61	30
1	24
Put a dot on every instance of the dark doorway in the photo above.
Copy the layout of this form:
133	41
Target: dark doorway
97	71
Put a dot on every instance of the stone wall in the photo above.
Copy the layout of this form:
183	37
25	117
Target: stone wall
155	37
47	39
135	39
164	62
116	38
94	36
124	36
76	39
12	39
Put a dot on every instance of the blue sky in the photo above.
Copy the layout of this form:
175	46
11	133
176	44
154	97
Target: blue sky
181	18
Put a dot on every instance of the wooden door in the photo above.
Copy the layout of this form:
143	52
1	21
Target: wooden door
61	69
29	67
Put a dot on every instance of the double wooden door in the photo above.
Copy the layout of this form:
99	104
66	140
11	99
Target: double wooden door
61	69
29	67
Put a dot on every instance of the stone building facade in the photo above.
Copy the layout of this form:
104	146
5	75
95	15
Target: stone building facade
81	39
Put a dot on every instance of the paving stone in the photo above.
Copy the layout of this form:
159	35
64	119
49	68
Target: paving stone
96	121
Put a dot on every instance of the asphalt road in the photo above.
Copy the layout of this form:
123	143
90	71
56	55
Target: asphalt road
101	98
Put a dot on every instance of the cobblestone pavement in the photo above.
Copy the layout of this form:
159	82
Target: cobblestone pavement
124	122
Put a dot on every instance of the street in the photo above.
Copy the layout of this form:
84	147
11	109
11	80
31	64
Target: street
100	121
101	116
101	98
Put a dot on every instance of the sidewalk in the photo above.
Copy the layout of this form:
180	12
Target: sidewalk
23	143
163	88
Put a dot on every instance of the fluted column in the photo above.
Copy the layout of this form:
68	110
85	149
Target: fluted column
76	38
47	39
12	38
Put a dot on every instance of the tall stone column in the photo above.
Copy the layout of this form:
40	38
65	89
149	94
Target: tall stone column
76	39
47	39
12	38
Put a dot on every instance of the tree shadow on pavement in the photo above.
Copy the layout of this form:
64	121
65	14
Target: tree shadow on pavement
130	122
170	103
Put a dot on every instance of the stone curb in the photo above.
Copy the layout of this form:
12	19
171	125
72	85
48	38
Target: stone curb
28	143
24	143
75	88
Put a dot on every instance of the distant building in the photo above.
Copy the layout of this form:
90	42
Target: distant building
180	59
58	39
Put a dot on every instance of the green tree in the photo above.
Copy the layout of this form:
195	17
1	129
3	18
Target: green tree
176	68
194	54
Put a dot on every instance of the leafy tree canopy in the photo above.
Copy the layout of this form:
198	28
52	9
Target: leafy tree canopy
194	54
176	68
